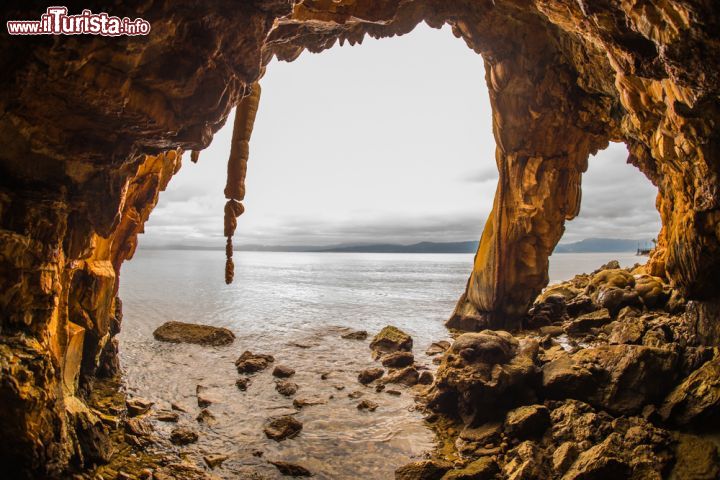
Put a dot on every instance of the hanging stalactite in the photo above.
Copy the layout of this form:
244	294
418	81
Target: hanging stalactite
237	168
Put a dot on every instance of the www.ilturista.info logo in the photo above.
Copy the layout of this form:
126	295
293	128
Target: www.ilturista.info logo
56	21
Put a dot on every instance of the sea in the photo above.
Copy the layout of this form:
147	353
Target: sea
295	306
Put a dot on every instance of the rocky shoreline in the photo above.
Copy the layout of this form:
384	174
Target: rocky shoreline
605	380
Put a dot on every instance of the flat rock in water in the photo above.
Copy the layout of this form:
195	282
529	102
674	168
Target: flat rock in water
286	388
369	375
183	436
368	405
137	406
283	371
214	460
292	469
167	416
307	402
358	335
281	428
437	348
180	332
250	362
390	339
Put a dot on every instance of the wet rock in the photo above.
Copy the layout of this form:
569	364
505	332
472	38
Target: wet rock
282	371
619	378
526	461
171	417
339	387
356	394
178	407
484	374
242	383
484	468
138	406
180	470
629	330
425	378
584	323
286	388
301	403
552	330
291	469
563	457
357	335
423	470
437	348
183	436
139	427
527	421
368	405
179	332
283	427
249	362
696	401
397	360
214	460
579	305
379	387
407	376
614	299
370	375
697	458
394	393
471	439
202	399
205	416
390	339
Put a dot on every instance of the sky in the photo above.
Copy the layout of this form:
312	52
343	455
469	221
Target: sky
385	142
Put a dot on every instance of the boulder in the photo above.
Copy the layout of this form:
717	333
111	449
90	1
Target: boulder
619	378
291	469
423	470
528	421
584	323
282	427
183	436
370	375
250	362
483	375
526	461
564	456
697	458
397	359
282	371
407	376
390	339
696	401
629	330
652	291
484	468
368	405
286	388
180	332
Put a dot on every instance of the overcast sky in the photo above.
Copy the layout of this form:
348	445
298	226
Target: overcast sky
388	141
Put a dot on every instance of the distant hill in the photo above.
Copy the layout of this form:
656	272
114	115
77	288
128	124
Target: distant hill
611	245
589	245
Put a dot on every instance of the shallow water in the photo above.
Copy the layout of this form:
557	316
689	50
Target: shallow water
295	306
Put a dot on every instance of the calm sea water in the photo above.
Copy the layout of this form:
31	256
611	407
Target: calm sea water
295	306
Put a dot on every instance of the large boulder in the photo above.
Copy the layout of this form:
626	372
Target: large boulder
696	401
483	375
619	378
180	332
390	339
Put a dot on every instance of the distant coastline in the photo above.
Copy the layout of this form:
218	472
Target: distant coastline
588	245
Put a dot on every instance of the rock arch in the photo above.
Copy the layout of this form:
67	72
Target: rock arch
93	128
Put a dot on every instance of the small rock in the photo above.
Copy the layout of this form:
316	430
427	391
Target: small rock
370	375
391	339
242	383
180	332
178	408
183	436
394	393
527	421
202	400
425	378
339	387
283	427
214	460
408	376
355	394
564	456
358	335
205	416
437	348
300	403
367	405
379	387
137	406
397	359
292	469
484	468
249	362
423	470
282	371
324	375
167	417
139	427
286	388
584	323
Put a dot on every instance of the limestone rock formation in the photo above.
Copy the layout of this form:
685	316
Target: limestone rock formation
93	128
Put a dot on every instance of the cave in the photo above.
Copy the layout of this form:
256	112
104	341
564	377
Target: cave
95	127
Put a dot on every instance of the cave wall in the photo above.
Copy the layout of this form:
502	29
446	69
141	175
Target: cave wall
93	129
